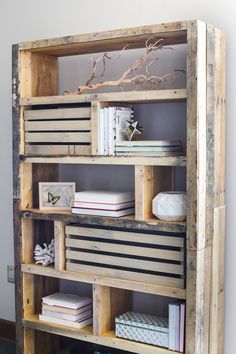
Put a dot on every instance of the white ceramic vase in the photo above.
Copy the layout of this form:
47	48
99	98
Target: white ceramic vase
170	206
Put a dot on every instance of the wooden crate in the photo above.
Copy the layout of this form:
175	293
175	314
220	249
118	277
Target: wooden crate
154	258
58	131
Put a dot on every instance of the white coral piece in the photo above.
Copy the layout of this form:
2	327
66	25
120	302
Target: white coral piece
45	255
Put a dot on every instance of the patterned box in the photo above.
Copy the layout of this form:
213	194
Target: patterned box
143	328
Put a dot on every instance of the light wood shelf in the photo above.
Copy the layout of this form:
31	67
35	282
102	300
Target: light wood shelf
148	288
85	334
158	96
107	160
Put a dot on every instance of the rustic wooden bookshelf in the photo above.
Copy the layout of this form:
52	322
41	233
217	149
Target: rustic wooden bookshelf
36	158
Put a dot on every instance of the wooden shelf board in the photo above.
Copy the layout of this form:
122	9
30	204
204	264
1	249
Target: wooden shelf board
85	334
148	288
129	221
177	95
107	160
171	33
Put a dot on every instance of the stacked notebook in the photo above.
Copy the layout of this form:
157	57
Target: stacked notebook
67	309
149	148
112	127
104	203
177	326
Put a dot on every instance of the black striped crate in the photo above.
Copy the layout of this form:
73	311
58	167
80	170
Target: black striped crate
146	257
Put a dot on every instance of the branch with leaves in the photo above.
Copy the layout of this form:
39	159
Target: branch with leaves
130	76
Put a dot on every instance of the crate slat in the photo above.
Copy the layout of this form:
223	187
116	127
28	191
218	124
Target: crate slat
125	249
60	113
117	235
47	150
57	137
58	125
123	274
125	262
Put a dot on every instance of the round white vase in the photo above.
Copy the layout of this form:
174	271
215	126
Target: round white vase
170	206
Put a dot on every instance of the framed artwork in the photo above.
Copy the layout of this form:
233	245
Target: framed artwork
56	195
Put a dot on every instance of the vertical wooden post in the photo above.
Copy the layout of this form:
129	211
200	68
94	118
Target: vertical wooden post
59	236
95	110
32	75
108	304
150	180
101	309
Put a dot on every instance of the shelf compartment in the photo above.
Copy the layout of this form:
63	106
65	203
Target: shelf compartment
55	131
157	289
177	95
154	258
109	339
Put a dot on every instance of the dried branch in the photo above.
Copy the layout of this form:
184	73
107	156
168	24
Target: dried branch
145	61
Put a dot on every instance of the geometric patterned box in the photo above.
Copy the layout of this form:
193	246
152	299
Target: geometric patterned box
143	328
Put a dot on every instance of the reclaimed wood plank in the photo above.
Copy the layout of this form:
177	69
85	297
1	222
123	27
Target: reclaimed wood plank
117	235
115	39
128	275
64	137
58	113
149	288
79	125
129	96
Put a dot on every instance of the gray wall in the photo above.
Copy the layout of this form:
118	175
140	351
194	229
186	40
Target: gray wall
27	19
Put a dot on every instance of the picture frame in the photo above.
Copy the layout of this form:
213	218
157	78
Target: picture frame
56	195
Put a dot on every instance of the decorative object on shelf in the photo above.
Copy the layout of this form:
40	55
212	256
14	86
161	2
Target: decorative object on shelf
45	255
56	195
133	129
67	309
170	206
149	148
130	76
143	328
104	203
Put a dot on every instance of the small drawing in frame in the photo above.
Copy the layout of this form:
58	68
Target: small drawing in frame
56	195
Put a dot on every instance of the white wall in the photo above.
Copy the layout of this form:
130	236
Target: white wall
28	19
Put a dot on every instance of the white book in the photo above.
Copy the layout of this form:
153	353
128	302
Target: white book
110	197
110	213
182	327
148	148
101	131
65	310
70	301
177	326
106	130
112	130
67	317
172	326
149	143
60	321
103	206
148	153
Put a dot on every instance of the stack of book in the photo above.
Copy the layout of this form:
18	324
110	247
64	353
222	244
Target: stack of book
67	309
112	127
177	326
104	203
149	148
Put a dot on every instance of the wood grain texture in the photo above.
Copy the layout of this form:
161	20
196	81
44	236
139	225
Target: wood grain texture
59	237
178	95
149	181
149	288
115	39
